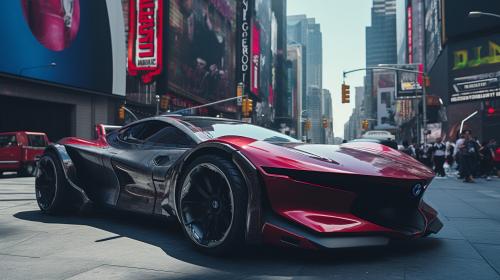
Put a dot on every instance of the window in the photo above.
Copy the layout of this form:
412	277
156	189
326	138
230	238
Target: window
218	128
8	140
138	133
171	136
36	141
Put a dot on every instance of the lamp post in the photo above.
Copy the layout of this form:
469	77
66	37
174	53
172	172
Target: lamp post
52	64
476	14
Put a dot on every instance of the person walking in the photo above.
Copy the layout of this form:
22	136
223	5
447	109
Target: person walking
487	153
469	156
459	145
439	149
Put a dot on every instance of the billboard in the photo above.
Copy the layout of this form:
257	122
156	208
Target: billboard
384	89
474	69
145	38
201	49
432	32
73	43
409	85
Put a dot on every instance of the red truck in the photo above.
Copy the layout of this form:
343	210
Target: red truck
20	150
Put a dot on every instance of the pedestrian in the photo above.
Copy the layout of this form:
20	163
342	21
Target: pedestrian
438	156
424	155
487	153
458	152
450	151
469	157
407	149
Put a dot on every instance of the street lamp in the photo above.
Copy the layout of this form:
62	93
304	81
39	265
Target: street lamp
476	14
52	64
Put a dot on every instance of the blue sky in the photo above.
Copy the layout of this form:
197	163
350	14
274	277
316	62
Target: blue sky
343	25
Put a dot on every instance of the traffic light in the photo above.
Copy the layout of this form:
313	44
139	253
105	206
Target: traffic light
164	102
121	113
308	125
346	94
247	107
365	124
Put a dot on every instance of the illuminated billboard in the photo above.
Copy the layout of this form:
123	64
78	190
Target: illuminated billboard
72	43
474	69
201	49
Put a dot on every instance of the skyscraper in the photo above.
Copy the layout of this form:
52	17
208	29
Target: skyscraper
327	114
380	46
305	31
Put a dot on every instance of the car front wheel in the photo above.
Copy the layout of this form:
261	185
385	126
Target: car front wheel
211	203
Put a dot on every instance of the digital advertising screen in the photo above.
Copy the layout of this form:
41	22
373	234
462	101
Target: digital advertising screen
474	69
201	48
74	43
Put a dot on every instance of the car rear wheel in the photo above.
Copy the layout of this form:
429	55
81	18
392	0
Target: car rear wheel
51	188
212	205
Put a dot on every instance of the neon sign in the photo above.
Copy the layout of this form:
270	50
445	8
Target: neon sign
470	58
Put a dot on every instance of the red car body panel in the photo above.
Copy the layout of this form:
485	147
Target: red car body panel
327	209
20	152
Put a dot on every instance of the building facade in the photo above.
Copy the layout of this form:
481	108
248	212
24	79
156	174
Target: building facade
380	48
295	91
327	117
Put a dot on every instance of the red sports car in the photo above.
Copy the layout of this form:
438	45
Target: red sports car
229	183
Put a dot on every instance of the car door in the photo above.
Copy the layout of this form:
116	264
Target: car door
150	150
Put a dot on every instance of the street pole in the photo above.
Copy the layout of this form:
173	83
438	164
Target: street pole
424	110
479	14
424	93
157	105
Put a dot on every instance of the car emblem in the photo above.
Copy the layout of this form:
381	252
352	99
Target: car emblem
417	190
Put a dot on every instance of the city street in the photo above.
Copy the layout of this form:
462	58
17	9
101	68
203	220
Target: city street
114	245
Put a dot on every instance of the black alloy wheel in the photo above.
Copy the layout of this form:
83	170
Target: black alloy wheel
212	205
51	187
46	183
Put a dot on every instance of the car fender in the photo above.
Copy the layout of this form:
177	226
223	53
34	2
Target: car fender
250	175
69	170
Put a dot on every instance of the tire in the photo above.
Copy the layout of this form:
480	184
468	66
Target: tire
52	190
28	170
213	213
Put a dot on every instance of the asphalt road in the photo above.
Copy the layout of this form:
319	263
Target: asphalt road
103	245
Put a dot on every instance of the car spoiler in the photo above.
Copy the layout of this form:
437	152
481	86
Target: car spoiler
102	130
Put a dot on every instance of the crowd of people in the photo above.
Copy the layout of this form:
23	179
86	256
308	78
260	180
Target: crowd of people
467	157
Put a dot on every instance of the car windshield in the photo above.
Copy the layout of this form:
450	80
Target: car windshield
217	128
8	140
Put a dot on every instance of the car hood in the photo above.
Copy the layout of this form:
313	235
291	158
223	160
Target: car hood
367	159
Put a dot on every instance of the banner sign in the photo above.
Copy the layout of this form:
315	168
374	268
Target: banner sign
145	44
255	63
409	85
474	69
243	52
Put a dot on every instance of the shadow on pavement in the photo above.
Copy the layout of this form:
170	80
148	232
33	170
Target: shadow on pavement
263	260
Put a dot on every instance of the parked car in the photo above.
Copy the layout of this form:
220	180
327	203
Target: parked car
387	142
20	150
228	183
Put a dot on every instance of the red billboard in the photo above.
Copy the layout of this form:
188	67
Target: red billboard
145	43
255	63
